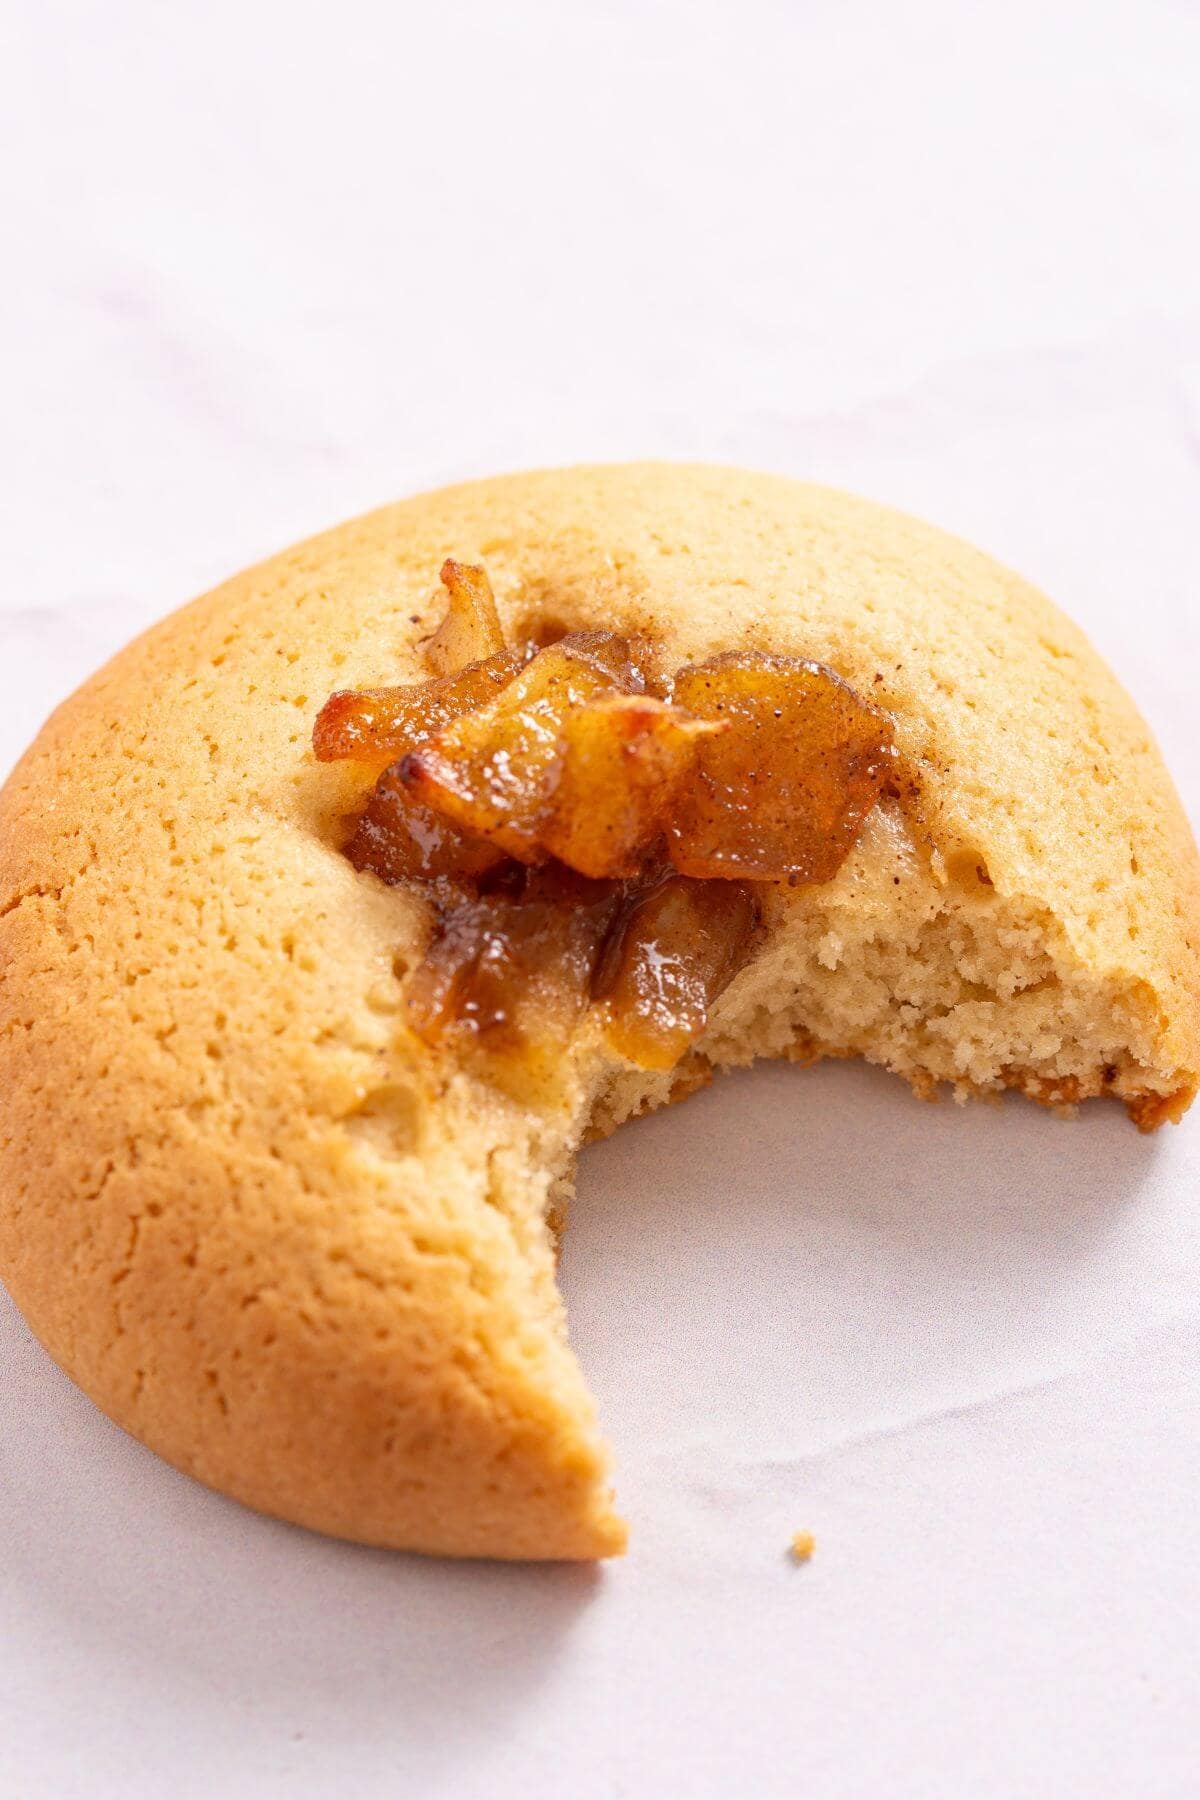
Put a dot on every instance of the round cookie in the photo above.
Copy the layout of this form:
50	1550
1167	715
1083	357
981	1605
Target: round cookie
313	1269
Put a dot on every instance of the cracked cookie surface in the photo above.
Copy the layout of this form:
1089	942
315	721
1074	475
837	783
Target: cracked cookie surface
316	1271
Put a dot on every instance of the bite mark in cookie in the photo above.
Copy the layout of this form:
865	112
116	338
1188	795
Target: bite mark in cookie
305	1250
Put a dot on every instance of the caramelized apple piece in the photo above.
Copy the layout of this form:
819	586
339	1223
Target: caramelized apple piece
470	631
783	793
506	977
398	839
378	725
536	798
675	950
609	655
624	759
490	771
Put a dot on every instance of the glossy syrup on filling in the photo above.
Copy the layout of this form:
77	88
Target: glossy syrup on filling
586	843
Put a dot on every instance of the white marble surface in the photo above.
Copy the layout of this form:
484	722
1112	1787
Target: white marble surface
272	264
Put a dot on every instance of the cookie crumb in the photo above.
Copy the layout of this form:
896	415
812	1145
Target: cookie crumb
803	1545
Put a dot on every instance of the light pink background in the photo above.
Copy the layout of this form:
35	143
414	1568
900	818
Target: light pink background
273	264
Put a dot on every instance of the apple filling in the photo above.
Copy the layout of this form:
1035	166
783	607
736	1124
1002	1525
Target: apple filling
592	833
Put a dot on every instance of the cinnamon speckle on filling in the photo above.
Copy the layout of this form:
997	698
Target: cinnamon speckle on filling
588	836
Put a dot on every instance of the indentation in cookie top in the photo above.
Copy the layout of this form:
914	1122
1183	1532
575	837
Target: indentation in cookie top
592	832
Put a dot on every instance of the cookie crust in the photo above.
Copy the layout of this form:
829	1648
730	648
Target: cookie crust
296	1265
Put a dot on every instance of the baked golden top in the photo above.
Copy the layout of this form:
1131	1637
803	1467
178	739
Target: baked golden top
318	1277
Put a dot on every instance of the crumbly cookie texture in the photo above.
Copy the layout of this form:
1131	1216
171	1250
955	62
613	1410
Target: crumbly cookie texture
315	1267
